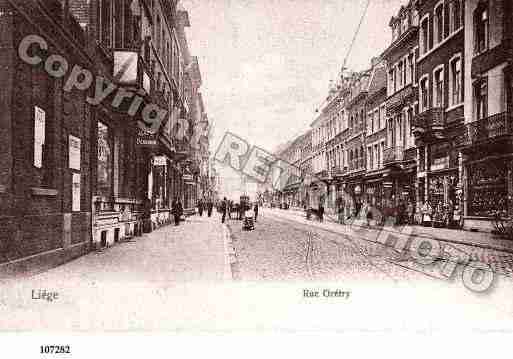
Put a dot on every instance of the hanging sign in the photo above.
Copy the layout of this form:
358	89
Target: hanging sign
145	139
440	163
74	152
159	160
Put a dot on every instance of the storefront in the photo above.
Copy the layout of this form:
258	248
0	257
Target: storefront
487	188
374	193
356	193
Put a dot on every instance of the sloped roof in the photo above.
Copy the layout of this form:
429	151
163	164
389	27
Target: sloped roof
379	80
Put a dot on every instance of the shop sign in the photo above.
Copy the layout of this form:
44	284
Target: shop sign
39	136
74	152
159	161
440	163
146	83
75	195
145	139
125	67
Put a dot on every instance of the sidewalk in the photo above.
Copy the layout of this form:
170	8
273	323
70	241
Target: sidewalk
194	250
476	239
171	278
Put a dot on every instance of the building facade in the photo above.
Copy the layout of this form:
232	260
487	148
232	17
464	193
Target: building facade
486	167
80	169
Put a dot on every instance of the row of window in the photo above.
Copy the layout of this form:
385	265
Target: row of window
446	20
375	156
402	73
376	119
120	28
432	87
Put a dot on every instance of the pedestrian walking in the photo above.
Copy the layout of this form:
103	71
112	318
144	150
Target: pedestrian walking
321	212
210	205
147	215
200	207
255	209
176	211
224	208
228	205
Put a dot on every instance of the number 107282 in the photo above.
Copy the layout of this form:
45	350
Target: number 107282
55	349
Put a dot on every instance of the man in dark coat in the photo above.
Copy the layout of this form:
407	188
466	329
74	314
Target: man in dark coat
321	212
200	207
210	205
224	208
255	209
177	211
147	215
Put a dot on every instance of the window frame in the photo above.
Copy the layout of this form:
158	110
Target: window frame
478	102
453	15
437	103
452	61
424	44
439	32
482	7
424	105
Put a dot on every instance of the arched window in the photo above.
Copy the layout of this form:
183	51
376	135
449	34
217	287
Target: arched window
481	27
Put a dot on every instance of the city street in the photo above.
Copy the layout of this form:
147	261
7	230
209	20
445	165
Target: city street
180	278
281	248
148	282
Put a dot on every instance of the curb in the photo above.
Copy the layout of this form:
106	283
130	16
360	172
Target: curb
479	245
230	256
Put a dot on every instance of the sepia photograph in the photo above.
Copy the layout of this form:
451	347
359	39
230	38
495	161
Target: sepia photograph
266	166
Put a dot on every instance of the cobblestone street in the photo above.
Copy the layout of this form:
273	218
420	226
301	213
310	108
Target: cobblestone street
481	246
284	250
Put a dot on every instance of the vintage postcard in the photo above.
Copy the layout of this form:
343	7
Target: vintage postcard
225	166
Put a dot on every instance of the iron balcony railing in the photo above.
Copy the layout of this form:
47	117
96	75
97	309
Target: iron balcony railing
356	164
393	155
338	171
494	126
432	119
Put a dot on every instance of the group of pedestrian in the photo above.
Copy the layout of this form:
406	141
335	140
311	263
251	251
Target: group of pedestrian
207	205
226	207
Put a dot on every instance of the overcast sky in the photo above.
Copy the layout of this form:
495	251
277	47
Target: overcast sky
266	64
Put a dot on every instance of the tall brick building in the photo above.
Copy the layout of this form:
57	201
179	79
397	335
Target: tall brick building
81	171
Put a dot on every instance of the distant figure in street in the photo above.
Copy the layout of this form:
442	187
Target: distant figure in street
147	215
200	207
228	205
210	205
224	208
321	212
255	209
176	209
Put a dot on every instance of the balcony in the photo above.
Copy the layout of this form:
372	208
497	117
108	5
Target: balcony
430	123
489	128
337	171
393	155
400	97
356	165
